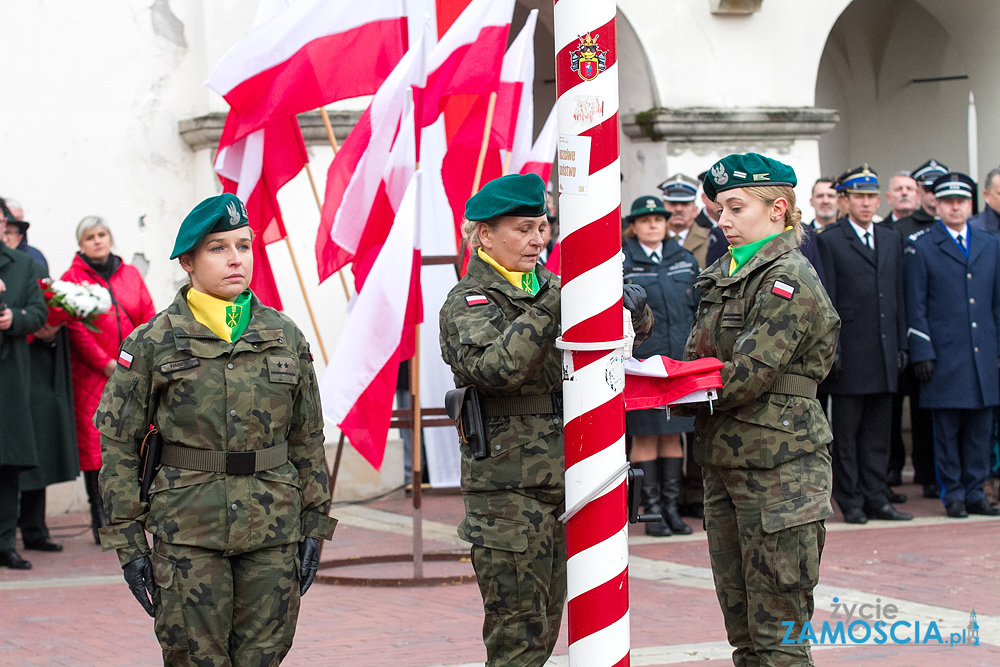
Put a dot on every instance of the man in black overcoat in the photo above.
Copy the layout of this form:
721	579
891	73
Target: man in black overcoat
864	277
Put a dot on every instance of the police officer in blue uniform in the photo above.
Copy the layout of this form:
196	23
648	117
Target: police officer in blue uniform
953	307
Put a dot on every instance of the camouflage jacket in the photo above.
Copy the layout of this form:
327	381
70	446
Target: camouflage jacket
505	346
772	317
206	393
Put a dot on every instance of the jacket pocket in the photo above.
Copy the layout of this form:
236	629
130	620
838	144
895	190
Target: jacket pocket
276	502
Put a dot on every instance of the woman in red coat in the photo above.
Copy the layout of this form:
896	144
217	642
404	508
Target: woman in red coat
94	355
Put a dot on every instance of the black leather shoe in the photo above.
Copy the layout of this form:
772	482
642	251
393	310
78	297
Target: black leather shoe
894	478
896	498
889	513
12	559
855	516
956	509
982	507
43	545
932	490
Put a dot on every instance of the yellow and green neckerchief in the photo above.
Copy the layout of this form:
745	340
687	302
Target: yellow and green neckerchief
744	253
526	281
227	320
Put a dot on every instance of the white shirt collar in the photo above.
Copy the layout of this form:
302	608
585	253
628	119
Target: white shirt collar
649	251
964	231
682	236
861	231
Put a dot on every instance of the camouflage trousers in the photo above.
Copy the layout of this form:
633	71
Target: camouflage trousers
524	590
214	610
765	538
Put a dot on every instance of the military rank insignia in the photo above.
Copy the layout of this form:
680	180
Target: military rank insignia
783	289
588	61
476	300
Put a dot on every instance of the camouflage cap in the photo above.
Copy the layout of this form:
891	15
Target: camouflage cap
646	206
216	214
513	194
746	171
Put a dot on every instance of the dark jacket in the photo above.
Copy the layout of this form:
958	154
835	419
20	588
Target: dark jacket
51	410
27	305
670	294
867	290
953	313
988	220
912	224
33	253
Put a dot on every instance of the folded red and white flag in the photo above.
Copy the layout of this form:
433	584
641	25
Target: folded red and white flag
659	381
313	53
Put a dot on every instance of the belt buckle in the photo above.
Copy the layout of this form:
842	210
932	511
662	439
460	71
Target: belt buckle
241	463
557	403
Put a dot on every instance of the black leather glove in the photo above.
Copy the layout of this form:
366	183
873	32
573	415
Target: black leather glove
309	563
904	360
139	577
924	370
634	299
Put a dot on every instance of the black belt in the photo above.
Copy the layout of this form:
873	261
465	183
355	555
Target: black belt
231	463
517	406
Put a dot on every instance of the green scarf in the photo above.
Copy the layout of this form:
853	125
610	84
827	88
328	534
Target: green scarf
744	253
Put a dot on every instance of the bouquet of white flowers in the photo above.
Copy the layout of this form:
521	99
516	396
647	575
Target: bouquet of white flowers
75	301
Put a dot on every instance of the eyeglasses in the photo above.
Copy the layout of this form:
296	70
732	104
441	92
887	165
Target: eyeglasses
12	232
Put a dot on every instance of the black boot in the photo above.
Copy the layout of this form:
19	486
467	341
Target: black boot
671	472
649	497
97	517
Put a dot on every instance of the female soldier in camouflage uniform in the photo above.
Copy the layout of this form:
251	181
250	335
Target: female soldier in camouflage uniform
767	470
498	331
240	501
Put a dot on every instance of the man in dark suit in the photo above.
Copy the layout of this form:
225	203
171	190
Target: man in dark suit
864	277
921	430
902	197
953	307
989	219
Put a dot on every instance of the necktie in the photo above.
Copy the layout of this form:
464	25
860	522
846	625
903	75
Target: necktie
655	256
868	240
961	242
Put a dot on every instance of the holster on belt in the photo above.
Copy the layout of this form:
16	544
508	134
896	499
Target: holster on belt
463	407
149	461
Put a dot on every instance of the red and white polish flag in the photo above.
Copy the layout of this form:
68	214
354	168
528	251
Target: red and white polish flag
313	53
659	381
543	151
359	384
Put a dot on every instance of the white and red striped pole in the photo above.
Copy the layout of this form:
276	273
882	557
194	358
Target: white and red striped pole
594	410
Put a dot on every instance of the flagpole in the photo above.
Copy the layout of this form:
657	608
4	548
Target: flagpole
329	130
506	162
592	337
487	127
319	205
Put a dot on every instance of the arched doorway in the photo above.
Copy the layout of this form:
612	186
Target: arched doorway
900	80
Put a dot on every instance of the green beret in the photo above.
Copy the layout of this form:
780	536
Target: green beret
646	206
216	214
744	171
513	194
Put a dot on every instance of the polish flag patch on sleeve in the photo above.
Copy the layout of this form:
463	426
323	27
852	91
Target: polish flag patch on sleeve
783	289
476	300
124	359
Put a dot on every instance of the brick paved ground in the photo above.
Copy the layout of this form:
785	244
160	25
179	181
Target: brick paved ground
72	609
